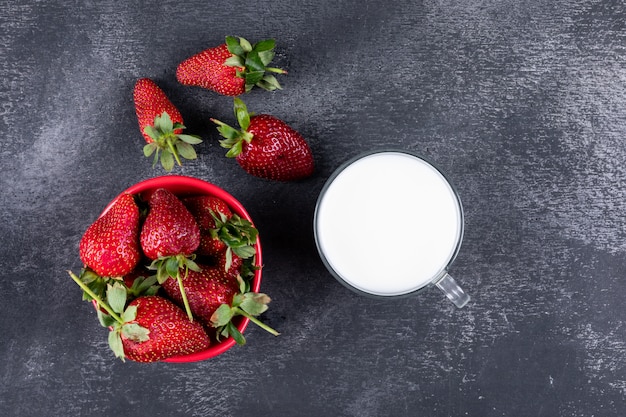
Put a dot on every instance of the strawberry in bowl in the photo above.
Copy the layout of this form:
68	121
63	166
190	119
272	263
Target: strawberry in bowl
172	299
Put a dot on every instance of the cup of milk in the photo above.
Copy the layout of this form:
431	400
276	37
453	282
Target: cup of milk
388	224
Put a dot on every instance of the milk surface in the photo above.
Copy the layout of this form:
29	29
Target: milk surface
388	224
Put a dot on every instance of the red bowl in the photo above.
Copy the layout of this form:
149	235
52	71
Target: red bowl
184	187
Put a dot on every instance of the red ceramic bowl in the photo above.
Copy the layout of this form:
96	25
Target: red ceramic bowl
187	186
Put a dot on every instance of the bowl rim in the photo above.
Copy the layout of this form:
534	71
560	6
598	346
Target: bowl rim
196	186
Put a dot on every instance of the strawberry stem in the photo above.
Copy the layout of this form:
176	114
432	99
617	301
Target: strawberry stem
96	298
174	152
183	293
237	310
275	70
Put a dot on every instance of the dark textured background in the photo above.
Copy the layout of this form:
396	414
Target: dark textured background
522	103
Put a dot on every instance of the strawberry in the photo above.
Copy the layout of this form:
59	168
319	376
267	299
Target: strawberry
149	328
230	263
232	68
206	291
205	207
225	236
110	245
216	298
266	147
161	125
169	236
159	330
169	229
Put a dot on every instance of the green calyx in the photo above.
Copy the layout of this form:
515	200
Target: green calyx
255	60
247	304
171	267
117	315
235	138
237	233
98	285
167	145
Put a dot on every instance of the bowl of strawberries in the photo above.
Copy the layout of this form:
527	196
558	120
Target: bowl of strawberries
173	268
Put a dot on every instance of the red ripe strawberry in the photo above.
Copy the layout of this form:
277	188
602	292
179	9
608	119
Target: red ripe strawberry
230	264
207	210
205	207
225	236
110	246
216	298
150	328
161	125
169	236
166	331
169	229
232	68
206	291
266	147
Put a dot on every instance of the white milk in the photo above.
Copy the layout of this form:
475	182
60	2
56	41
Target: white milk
388	224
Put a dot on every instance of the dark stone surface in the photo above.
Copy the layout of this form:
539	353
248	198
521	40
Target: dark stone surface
522	103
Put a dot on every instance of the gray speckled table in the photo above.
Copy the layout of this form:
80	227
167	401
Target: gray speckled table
522	103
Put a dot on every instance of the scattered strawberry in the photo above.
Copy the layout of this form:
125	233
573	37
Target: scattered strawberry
216	298
110	246
266	147
161	125
169	236
232	68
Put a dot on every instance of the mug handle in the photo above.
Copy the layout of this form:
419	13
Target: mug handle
452	290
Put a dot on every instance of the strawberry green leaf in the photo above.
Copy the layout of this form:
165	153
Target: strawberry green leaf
234	332
149	149
88	276
144	286
95	283
252	78
152	132
116	296
230	133
233	45
167	160
243	289
235	61
245	45
190	139
266	57
265	45
255	303
186	150
222	316
190	264
129	314
270	83
254	63
241	113
235	150
135	332
115	343
164	122
104	319
244	252
172	267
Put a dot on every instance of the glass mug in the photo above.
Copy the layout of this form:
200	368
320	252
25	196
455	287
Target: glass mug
389	223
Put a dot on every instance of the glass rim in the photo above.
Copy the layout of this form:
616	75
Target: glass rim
359	157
